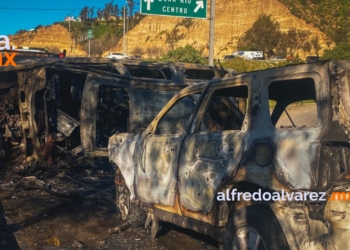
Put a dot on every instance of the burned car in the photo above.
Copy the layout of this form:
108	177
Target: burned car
67	108
277	131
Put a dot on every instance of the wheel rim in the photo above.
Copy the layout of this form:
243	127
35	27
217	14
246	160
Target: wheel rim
247	238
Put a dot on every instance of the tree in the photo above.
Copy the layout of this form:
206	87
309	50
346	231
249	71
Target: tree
149	52
110	10
316	45
21	31
173	38
186	54
38	27
264	35
341	34
157	52
100	14
84	14
96	47
137	51
339	52
91	12
109	40
131	5
295	40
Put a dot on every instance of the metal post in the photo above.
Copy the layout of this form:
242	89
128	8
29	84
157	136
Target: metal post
124	31
126	36
89	47
211	33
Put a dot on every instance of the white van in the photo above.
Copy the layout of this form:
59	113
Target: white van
249	55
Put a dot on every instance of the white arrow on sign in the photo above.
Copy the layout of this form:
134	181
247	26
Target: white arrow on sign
200	4
149	4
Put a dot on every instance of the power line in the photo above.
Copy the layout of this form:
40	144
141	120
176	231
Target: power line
11	8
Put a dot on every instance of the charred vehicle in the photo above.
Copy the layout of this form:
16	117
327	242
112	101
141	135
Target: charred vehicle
273	131
67	108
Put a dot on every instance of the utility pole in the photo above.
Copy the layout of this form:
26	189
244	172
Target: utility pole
124	31
126	36
70	36
211	33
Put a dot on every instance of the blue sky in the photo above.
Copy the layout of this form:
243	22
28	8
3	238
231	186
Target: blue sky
24	14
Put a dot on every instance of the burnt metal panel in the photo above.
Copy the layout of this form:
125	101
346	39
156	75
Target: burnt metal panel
207	159
156	176
65	123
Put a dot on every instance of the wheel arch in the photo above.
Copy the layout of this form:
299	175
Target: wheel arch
227	208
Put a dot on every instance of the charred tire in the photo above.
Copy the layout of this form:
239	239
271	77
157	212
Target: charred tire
122	203
129	211
254	228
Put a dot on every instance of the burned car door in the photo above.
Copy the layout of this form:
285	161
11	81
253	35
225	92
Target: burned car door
295	118
104	111
213	152
157	173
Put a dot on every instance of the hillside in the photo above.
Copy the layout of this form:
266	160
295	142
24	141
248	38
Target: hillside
233	18
55	38
330	16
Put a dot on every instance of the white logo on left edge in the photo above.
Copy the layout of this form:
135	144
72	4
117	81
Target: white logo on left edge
4	40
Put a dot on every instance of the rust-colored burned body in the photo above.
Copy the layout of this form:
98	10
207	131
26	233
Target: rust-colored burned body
66	108
290	133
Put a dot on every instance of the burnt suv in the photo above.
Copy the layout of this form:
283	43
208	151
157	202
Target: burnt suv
279	132
67	108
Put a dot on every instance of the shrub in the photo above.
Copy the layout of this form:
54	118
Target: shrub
186	54
339	52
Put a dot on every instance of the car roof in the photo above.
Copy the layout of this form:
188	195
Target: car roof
111	67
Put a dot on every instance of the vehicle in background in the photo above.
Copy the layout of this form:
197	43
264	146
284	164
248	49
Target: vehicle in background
311	59
229	57
216	141
248	55
259	58
278	58
135	57
116	55
29	53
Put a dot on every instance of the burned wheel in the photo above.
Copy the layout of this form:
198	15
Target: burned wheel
122	200
129	211
254	228
248	238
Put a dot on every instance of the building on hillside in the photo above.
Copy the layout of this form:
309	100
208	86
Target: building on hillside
113	18
69	19
72	19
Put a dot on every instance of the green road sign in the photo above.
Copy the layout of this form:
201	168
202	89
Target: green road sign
89	33
176	8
